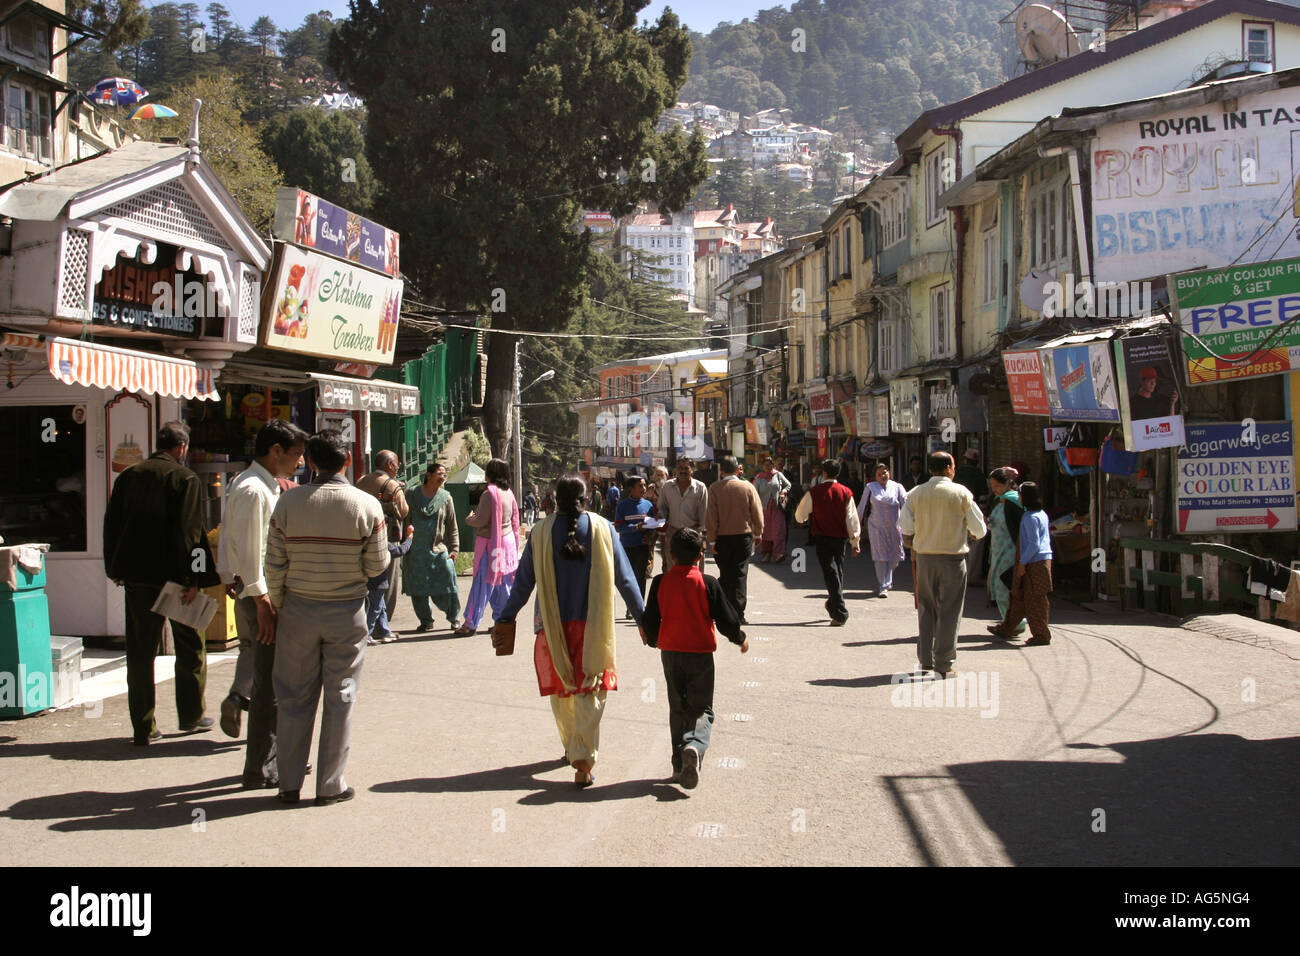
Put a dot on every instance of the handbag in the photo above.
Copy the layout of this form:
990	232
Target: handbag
1115	460
1077	454
503	638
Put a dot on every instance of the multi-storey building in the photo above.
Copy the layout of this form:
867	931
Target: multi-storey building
661	248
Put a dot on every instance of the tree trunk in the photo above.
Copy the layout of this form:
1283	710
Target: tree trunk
500	392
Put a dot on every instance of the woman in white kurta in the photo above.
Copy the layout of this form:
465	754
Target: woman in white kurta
882	501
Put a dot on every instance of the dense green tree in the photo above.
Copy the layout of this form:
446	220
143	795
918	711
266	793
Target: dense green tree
492	124
123	22
323	153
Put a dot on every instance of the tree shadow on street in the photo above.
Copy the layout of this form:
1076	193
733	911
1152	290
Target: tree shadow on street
524	777
1191	800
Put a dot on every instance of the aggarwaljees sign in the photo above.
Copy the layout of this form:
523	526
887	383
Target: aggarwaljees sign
321	306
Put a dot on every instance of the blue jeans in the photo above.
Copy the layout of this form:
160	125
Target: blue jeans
377	607
690	701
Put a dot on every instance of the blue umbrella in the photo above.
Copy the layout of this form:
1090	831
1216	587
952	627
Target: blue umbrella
116	91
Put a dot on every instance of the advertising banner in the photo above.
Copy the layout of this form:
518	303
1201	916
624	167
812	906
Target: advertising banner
343	395
1149	395
905	405
1054	437
1080	383
323	307
1230	481
1234	320
1025	381
943	407
1196	187
155	296
308	220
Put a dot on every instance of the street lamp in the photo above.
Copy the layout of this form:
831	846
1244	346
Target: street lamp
518	439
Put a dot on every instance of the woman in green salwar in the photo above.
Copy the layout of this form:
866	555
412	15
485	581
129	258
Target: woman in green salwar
1004	529
429	569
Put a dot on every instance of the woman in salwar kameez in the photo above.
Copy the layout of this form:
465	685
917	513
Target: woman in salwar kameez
1004	529
429	569
882	502
496	546
576	562
773	489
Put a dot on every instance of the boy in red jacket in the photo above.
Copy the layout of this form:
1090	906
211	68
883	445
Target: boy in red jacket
680	612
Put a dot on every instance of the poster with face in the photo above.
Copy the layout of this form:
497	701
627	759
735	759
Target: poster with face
1150	399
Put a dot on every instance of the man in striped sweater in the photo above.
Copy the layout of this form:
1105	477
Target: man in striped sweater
327	540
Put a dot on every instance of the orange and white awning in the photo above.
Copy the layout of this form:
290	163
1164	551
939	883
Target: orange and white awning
18	340
103	366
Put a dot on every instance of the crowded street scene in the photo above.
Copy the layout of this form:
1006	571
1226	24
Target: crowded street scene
573	434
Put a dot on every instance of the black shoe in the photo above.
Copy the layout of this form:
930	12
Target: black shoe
232	714
346	795
424	628
144	741
944	675
838	622
690	768
257	783
199	726
289	796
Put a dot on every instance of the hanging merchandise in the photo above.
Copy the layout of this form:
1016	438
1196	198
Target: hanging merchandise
1077	451
1115	460
1067	468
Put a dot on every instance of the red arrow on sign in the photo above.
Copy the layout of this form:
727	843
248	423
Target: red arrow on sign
1268	518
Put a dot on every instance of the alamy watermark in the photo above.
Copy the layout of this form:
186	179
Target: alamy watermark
973	689
1096	300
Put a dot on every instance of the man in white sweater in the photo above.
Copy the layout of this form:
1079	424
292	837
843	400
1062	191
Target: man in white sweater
327	541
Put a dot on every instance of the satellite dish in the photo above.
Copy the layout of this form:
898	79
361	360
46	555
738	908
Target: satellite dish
1033	289
1044	35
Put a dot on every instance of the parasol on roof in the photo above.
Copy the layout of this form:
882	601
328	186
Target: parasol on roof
152	111
116	91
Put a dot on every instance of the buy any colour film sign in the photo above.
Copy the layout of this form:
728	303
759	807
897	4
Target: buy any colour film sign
1237	316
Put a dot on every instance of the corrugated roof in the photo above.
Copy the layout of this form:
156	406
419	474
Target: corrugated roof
44	199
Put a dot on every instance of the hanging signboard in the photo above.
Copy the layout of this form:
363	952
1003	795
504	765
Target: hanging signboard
339	394
1148	396
905	405
821	405
1054	437
943	407
1238	322
1080	383
154	297
327	308
310	221
1025	382
1231	479
1196	187
756	431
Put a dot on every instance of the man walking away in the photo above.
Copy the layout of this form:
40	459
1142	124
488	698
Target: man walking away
938	518
245	524
153	533
683	503
733	519
327	540
835	526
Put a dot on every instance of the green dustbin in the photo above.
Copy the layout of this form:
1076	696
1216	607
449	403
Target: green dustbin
26	665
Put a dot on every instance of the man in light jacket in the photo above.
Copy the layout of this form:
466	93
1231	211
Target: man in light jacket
733	519
327	540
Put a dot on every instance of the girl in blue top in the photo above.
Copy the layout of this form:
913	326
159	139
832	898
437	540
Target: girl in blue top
1033	574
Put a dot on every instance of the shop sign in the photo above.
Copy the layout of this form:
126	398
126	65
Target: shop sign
1243	320
799	417
866	418
943	407
310	221
1080	383
875	449
154	297
756	431
823	442
905	405
848	413
1025	382
1233	480
1149	397
323	307
822	406
368	396
1055	437
1195	188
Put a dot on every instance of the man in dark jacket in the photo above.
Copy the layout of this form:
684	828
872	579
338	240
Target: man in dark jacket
153	533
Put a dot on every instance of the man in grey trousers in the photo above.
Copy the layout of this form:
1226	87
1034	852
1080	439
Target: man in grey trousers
937	521
327	540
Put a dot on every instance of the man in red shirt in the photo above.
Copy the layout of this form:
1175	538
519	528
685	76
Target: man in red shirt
679	616
835	526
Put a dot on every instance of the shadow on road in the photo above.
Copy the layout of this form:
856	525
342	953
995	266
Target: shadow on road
1153	805
523	777
158	808
121	748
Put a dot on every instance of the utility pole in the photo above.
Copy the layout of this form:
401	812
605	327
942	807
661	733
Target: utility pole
518	481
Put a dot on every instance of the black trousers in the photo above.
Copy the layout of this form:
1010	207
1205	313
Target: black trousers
259	754
830	554
143	634
639	556
732	553
690	701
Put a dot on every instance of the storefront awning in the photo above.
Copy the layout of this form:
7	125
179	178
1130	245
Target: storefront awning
357	394
103	366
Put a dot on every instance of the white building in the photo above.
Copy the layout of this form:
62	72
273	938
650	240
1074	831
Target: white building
663	246
773	145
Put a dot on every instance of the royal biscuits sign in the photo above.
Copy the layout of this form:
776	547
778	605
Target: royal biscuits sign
318	305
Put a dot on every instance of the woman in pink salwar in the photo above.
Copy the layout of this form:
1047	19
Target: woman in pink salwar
496	547
773	488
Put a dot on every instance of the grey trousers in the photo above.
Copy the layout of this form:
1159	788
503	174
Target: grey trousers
940	596
246	628
319	645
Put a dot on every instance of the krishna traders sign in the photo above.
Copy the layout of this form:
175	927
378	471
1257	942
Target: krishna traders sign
1196	187
321	306
1239	322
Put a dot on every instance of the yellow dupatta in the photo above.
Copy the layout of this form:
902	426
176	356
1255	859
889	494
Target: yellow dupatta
598	641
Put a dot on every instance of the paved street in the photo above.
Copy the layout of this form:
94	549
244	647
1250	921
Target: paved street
1125	725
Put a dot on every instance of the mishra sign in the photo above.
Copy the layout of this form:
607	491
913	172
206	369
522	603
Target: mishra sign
320	306
154	297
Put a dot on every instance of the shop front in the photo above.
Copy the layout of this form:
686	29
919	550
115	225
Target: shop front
131	278
906	422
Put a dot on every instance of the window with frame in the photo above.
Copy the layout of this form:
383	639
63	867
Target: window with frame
1257	42
990	250
935	166
1050	216
27	121
941	321
29	36
887	344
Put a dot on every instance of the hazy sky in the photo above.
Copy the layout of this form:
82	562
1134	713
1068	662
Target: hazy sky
701	15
